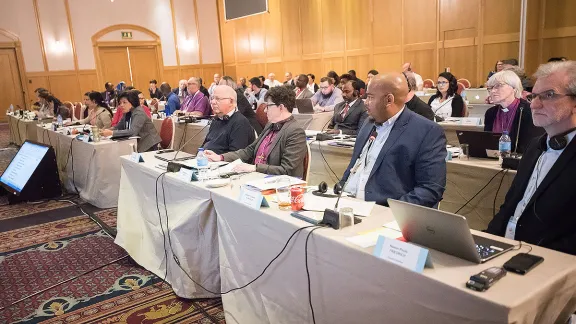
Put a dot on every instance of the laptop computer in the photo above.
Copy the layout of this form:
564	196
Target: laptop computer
476	96
480	144
444	232
169	156
304	106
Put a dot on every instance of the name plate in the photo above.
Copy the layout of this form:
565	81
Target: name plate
85	138
471	121
403	254
136	157
252	198
185	174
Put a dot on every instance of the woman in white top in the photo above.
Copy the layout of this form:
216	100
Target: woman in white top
446	102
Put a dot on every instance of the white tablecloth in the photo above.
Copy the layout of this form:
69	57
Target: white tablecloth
92	168
185	132
192	225
350	285
21	130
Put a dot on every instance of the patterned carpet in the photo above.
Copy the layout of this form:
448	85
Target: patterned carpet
45	244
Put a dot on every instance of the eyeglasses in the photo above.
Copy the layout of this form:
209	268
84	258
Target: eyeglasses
218	98
442	82
324	88
496	87
547	96
270	105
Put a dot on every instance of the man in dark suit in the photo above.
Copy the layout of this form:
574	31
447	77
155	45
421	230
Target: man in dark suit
539	206
361	83
398	154
350	114
413	102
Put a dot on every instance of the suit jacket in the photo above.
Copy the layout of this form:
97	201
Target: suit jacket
245	108
286	155
528	132
305	94
420	107
353	120
548	219
140	125
411	165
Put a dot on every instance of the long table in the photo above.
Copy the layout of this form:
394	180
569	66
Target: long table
463	180
92	168
21	129
348	284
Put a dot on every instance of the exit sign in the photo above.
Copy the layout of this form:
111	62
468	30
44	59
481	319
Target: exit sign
126	35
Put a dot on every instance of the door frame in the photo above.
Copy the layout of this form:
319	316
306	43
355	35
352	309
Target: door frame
96	44
16	45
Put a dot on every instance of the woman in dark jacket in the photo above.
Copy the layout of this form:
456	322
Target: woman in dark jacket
511	114
446	102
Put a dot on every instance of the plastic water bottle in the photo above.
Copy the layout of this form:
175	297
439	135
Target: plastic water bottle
504	146
201	159
59	119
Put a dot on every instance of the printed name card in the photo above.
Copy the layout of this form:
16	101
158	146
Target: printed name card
252	198
86	138
136	157
471	121
185	174
403	254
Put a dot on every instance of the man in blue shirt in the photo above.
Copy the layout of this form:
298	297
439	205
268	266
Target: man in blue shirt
172	101
398	153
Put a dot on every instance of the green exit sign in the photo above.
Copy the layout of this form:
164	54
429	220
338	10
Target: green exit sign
126	35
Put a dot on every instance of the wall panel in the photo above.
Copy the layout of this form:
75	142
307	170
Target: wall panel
65	87
391	26
424	13
335	64
291	39
35	82
361	64
273	22
358	19
171	76
88	81
422	63
387	62
314	67
310	10
462	62
495	52
292	66
333	35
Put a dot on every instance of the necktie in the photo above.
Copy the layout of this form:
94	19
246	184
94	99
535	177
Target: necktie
345	111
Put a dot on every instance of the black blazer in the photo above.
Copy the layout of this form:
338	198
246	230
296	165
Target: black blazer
156	94
353	119
457	105
548	219
420	107
527	129
245	109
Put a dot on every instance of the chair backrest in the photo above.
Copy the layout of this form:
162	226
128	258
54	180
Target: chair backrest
261	116
461	88
428	84
167	131
307	163
78	111
465	83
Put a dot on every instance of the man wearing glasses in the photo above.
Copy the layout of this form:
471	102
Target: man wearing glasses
230	130
539	207
327	97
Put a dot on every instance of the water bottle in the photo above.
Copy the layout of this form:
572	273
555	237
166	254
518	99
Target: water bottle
201	159
59	119
504	145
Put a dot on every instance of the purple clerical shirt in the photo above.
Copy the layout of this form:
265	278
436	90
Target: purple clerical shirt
503	121
197	102
264	148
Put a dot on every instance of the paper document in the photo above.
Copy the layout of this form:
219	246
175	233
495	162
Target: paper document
311	133
316	203
273	182
392	225
369	239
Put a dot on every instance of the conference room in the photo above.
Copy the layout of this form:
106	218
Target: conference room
274	161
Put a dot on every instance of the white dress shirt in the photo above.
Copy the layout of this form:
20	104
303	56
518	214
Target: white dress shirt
543	166
419	81
272	84
442	109
365	163
311	87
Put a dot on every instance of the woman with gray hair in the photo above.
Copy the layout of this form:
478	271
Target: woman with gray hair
244	106
511	114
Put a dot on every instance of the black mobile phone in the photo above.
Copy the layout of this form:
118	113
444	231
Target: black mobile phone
522	263
485	279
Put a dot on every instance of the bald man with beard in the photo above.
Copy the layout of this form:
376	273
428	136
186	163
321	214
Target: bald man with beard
398	153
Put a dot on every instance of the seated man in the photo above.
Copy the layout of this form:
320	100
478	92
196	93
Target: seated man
230	130
397	154
196	104
301	90
327	97
256	93
413	102
181	90
172	101
539	207
350	114
281	147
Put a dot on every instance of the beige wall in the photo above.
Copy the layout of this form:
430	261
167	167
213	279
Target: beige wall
315	36
190	42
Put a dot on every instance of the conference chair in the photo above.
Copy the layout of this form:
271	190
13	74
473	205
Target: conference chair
77	113
154	105
428	84
465	83
261	116
167	132
461	88
307	163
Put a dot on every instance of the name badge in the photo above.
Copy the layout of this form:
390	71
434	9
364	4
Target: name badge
86	138
136	157
403	254
252	198
511	229
185	174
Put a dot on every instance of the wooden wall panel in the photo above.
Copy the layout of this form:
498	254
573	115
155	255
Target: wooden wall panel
457	14
496	52
533	18
361	64
65	87
555	47
358	19
560	13
291	39
387	62
188	71
257	36
209	70
227	35
335	64
314	67
501	17
35	82
310	10
390	26
276	68
242	40
273	22
171	76
89	81
292	66
424	13
332	20
422	63
531	57
462	62
229	70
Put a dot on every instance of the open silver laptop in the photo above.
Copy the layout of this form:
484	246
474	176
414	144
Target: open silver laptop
444	232
476	96
169	156
304	106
